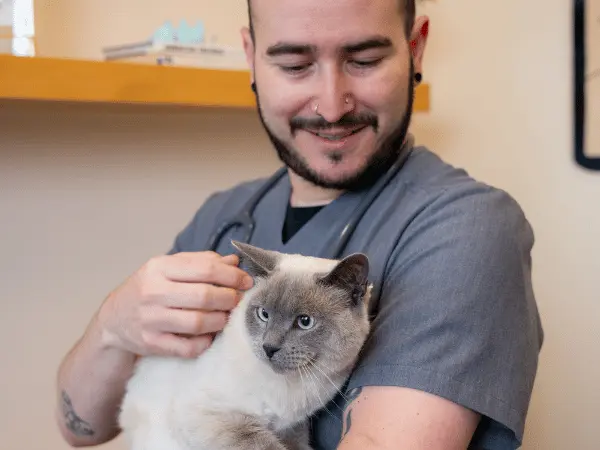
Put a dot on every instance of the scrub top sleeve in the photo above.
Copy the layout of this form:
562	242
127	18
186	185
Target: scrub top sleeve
457	315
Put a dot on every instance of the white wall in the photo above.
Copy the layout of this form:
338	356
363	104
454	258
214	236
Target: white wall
88	194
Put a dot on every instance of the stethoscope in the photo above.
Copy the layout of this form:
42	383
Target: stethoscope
245	220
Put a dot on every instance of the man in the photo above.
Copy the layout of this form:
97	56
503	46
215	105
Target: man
453	354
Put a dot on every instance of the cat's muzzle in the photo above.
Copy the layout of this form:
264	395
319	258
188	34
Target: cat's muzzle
283	363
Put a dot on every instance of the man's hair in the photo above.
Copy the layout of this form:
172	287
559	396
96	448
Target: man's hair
407	7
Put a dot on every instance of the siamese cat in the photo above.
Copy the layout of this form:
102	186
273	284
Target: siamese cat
286	351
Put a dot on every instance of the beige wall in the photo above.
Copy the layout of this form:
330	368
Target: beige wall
85	198
88	194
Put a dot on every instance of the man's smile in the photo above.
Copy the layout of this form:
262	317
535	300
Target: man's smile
336	134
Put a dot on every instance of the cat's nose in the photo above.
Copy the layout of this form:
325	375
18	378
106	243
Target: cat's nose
270	350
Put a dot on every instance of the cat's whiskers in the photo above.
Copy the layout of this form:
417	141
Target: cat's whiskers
316	366
304	385
301	379
317	384
333	399
306	389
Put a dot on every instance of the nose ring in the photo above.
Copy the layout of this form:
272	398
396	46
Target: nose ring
346	100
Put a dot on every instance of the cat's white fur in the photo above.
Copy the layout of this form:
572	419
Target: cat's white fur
167	400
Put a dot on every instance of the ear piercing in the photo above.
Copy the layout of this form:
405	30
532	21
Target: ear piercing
418	77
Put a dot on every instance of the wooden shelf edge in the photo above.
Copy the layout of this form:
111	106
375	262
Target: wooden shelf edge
89	81
55	79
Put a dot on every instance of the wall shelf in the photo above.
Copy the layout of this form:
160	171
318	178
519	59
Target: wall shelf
70	80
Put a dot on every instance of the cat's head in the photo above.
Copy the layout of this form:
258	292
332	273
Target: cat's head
305	311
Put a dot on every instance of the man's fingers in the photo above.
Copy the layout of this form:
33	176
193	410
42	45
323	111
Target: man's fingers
172	345
202	296
197	268
189	322
231	259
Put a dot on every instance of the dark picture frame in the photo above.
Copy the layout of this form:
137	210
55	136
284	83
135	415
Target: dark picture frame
580	13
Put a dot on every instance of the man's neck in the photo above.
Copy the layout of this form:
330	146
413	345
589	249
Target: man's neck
305	193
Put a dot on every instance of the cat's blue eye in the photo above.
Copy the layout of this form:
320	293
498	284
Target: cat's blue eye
305	322
262	314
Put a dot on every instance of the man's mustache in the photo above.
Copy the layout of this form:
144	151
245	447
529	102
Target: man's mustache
319	123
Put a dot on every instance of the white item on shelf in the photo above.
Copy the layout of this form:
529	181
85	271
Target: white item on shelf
17	28
188	55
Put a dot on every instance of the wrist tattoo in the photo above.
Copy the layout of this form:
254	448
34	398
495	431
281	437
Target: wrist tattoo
74	423
347	424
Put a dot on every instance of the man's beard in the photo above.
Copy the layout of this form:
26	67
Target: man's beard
379	162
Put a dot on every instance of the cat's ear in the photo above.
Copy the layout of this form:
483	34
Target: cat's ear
259	262
350	274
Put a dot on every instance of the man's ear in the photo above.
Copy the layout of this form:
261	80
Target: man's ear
259	262
248	43
418	41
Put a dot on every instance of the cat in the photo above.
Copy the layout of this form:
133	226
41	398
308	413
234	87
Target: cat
286	351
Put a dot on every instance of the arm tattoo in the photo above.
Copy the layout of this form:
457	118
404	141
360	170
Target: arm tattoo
351	397
73	422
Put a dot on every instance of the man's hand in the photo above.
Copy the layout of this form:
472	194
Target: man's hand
173	304
393	418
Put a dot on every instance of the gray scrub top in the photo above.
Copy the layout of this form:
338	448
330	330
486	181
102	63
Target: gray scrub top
454	310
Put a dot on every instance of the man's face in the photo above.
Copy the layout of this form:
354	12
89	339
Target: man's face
334	85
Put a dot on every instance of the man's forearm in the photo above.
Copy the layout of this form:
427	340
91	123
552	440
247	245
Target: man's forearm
373	420
90	386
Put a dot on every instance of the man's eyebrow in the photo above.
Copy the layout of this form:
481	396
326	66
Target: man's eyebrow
367	44
289	48
285	48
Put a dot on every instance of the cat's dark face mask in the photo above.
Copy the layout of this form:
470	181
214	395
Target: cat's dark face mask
336	117
300	323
